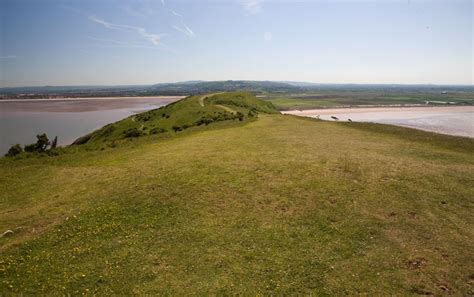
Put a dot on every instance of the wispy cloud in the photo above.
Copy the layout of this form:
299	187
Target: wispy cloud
175	13
132	12
153	38
8	57
184	29
251	7
112	43
163	2
121	43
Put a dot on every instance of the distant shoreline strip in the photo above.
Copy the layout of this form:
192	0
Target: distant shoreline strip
94	98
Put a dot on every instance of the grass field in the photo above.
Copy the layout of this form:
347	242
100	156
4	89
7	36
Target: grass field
329	99
273	205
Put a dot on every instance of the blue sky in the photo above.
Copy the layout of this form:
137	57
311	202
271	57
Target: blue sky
105	42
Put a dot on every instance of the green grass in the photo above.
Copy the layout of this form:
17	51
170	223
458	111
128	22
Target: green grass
191	112
329	99
275	205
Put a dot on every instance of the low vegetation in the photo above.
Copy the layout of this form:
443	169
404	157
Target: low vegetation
190	112
328	99
274	205
42	145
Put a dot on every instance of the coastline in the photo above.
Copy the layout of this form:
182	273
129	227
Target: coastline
385	108
84	104
449	120
93	98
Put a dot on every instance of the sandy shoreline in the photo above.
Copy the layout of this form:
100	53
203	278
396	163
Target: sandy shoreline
452	120
93	98
327	111
84	104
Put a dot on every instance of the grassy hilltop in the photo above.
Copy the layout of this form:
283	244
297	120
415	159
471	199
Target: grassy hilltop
269	204
193	111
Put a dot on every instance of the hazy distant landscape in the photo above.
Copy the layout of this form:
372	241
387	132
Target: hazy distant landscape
237	147
69	112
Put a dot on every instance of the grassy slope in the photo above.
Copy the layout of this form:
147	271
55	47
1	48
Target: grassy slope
184	113
277	205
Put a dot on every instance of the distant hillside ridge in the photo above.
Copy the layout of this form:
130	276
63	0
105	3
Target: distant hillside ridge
193	111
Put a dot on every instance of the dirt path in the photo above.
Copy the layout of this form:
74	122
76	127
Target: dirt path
201	99
226	108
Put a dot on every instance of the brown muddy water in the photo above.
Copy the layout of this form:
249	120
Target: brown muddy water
22	120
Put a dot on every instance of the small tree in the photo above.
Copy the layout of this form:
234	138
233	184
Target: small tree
54	143
14	150
42	142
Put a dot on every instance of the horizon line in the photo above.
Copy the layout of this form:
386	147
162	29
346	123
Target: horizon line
235	80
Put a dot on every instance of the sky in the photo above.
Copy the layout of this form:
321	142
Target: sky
128	42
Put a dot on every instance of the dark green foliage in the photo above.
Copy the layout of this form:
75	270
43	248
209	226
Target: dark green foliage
176	128
42	142
240	116
206	120
132	133
157	131
107	130
54	143
144	117
16	149
180	115
30	148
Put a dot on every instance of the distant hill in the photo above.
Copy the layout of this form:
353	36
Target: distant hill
201	87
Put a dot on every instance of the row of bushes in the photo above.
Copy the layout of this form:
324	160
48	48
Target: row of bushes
42	144
205	120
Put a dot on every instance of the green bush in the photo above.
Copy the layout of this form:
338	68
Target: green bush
15	149
240	116
42	142
157	131
176	128
40	146
30	148
133	133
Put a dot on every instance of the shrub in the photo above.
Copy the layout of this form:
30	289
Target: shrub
240	116
157	131
42	142
30	148
14	150
132	133
107	130
176	128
